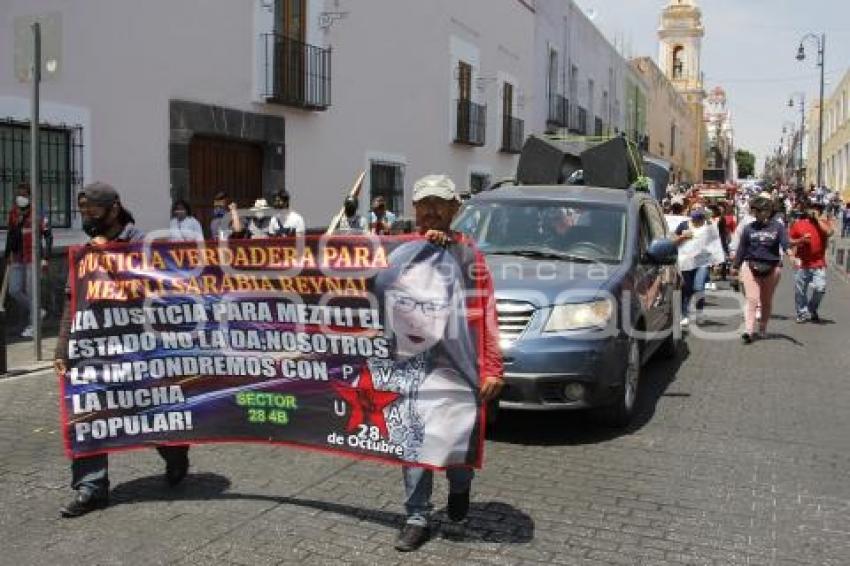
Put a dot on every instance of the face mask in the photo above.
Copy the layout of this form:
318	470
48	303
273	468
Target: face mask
22	201
95	226
218	211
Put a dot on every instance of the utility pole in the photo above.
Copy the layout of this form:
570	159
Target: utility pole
801	55
35	193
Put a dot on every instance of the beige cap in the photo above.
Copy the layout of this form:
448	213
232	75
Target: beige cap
440	186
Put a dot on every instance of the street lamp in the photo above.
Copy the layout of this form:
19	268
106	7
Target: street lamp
801	55
802	97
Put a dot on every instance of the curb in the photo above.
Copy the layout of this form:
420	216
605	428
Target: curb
839	255
26	370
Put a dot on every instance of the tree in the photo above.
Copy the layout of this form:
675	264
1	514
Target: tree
746	163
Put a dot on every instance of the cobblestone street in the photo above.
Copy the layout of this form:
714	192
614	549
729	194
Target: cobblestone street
740	456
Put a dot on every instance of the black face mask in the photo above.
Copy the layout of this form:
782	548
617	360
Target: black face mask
94	227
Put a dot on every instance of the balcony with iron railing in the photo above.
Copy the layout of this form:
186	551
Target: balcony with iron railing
513	134
559	111
296	73
471	123
579	125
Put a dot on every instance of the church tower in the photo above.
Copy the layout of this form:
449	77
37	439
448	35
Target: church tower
679	58
680	45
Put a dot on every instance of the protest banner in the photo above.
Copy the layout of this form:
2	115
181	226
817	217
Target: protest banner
363	346
703	249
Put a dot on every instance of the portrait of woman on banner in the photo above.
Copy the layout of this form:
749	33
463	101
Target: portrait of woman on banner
434	364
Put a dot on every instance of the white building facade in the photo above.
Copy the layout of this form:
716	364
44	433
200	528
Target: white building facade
579	77
182	99
171	99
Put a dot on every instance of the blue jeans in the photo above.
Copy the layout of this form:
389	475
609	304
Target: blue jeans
694	282
20	286
418	486
803	279
91	474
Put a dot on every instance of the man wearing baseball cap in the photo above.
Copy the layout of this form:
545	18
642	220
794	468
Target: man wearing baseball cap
436	202
105	220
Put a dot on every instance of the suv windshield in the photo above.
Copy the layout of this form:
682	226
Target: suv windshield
571	231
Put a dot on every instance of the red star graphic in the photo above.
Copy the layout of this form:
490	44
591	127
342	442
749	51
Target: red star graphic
367	404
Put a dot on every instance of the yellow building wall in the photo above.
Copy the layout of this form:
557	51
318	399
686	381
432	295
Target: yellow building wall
666	107
836	139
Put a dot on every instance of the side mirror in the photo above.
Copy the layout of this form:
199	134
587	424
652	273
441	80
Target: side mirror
662	251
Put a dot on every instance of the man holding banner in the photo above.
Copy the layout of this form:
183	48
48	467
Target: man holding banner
436	202
376	348
106	221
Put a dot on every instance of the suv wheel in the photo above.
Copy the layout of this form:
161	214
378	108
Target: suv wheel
669	349
621	412
492	415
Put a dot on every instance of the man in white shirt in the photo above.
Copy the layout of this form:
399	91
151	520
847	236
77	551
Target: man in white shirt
285	222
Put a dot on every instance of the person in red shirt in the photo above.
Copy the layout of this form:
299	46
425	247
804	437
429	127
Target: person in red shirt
809	236
18	253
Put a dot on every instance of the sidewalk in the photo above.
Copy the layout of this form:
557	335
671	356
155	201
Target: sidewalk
20	356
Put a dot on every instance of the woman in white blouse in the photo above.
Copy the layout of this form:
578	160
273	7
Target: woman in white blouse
184	226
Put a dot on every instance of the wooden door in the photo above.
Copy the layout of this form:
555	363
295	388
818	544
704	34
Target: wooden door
464	81
291	18
219	164
508	100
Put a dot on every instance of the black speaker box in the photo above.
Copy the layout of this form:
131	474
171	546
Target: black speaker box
659	172
609	165
542	163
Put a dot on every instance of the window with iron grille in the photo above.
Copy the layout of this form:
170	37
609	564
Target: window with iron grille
387	180
61	153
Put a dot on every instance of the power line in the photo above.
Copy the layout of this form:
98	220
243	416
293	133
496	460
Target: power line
770	80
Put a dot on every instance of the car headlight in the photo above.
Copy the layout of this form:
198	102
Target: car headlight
580	316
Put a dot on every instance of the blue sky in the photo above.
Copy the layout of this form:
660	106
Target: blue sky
749	50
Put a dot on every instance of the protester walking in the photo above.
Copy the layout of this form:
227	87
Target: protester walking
106	221
845	221
693	279
380	219
184	226
809	236
221	224
759	260
18	254
258	225
436	202
351	222
285	222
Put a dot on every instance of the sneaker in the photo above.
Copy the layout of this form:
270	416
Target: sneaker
801	318
412	537
458	506
176	471
746	338
684	322
27	333
83	503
